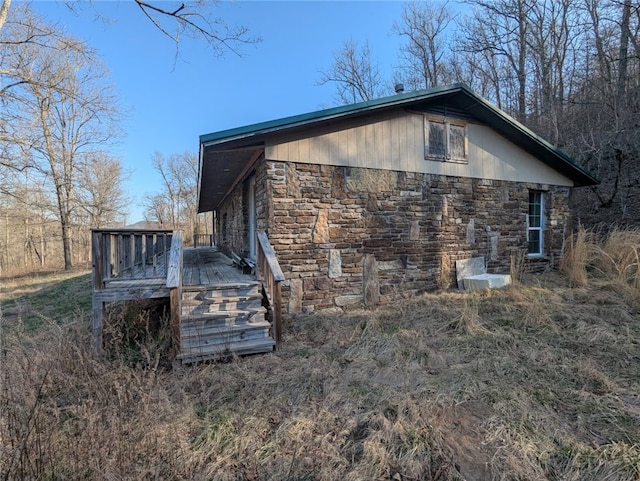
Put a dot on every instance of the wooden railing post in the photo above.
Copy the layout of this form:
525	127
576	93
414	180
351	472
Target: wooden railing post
277	313
271	276
98	266
174	283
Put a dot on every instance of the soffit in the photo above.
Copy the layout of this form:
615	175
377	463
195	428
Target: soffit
219	172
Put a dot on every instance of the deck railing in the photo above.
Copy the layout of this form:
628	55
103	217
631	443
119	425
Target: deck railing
125	254
202	240
270	273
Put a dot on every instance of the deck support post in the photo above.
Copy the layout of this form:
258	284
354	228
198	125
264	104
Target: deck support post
98	263
98	316
176	308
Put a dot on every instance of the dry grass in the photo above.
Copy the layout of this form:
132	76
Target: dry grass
618	257
541	381
613	258
575	258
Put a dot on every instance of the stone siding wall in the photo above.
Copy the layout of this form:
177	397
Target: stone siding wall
348	236
235	236
232	221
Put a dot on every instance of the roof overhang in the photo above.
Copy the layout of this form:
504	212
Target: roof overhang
220	171
226	156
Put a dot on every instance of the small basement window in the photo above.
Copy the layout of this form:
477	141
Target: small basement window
535	223
445	140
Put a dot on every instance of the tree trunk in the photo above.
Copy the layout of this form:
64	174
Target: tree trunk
522	54
66	246
624	47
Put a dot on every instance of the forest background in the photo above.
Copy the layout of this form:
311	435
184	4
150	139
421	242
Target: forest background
567	69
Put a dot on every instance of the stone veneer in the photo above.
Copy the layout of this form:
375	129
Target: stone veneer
350	236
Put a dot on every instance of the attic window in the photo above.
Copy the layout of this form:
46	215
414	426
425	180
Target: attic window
445	140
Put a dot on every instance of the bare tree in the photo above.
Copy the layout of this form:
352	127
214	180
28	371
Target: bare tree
22	37
554	40
101	196
59	113
158	209
175	206
356	77
500	29
427	52
604	123
196	19
28	225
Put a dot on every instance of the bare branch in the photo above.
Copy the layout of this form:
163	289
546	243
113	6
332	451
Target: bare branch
195	21
4	10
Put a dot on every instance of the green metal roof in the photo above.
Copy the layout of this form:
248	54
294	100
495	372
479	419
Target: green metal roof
459	96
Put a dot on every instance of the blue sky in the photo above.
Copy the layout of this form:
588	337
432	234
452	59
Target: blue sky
171	102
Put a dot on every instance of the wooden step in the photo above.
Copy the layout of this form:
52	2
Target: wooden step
215	335
231	315
221	286
241	348
224	320
205	328
231	304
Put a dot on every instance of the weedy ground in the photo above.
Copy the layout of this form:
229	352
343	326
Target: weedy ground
538	381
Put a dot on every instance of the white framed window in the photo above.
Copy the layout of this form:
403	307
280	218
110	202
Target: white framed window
445	140
535	223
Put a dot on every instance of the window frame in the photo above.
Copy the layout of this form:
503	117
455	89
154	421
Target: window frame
539	228
447	124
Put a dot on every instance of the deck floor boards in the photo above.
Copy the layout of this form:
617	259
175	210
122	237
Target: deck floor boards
208	267
202	267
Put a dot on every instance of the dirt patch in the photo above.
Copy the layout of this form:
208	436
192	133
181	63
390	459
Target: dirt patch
463	427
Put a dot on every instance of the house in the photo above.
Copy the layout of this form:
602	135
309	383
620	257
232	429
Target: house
373	201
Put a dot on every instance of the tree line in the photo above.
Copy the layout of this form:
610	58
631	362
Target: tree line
59	121
568	69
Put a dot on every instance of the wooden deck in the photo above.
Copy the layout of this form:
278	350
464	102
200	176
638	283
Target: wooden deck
216	308
206	266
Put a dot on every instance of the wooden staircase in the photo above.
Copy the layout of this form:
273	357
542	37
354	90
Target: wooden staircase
223	319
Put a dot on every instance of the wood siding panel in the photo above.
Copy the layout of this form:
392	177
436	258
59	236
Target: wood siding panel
406	144
397	143
304	148
371	157
394	142
351	138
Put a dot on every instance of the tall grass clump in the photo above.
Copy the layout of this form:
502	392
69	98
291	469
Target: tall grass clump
468	322
518	259
618	257
613	257
575	258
